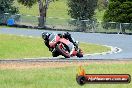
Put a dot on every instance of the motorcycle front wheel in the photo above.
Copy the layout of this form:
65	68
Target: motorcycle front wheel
55	54
79	54
63	50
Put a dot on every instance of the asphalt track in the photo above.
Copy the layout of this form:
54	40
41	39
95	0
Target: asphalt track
123	42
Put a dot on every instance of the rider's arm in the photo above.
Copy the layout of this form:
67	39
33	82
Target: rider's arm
47	43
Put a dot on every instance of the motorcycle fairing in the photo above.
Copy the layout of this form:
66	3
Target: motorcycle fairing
54	40
65	41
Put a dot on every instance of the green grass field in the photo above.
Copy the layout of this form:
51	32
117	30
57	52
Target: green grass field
12	46
61	77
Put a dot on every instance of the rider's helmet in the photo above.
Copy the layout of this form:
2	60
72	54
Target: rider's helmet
45	35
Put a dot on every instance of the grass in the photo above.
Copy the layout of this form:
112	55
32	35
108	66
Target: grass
3	26
93	48
57	9
12	46
20	47
61	77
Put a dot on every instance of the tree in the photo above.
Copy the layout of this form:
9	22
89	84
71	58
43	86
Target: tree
6	6
43	6
119	11
81	10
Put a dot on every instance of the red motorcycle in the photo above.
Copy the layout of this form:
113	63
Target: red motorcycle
64	47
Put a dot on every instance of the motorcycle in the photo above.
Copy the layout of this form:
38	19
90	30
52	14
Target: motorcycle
62	46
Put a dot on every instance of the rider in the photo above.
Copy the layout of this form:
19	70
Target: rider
67	35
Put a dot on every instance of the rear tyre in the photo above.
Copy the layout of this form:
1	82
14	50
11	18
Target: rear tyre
62	52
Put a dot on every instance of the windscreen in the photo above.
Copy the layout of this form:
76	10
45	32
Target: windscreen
52	37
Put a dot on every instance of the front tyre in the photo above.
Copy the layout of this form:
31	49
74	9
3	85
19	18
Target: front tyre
55	54
79	54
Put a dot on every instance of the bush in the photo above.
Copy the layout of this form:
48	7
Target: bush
119	11
81	10
6	6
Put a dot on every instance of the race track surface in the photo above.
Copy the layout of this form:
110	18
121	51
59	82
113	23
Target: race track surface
116	40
